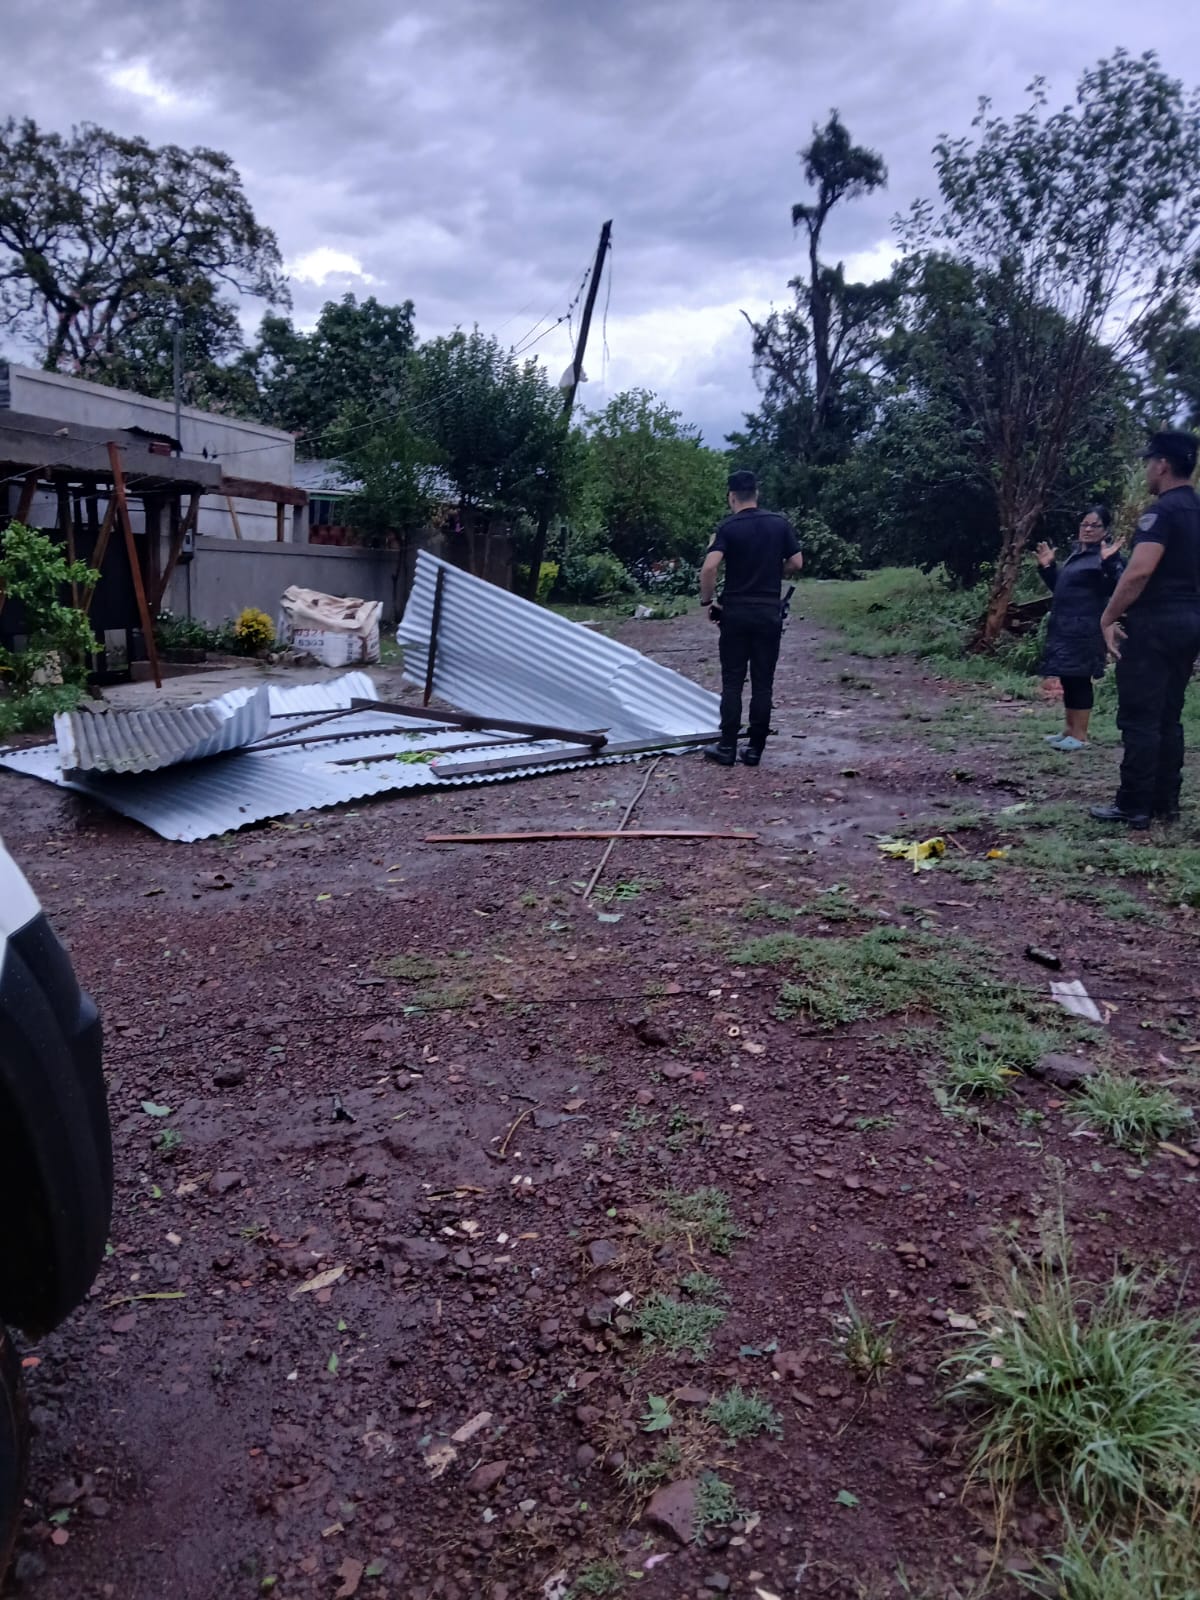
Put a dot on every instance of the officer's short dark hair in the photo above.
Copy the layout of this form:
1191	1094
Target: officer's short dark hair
1178	450
1102	512
743	484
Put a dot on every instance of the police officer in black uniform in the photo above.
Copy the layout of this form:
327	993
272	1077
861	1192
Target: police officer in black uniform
758	548
1159	599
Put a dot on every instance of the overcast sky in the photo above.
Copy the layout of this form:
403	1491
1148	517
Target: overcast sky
463	153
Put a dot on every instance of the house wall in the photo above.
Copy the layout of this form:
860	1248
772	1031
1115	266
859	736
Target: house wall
227	575
246	449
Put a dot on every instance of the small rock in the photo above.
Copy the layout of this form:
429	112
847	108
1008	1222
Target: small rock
599	1314
367	1210
676	1072
789	1364
97	1507
1064	1072
486	1476
672	1509
691	1397
423	1251
603	1252
651	1033
584	1457
229	1076
718	1582
29	1568
223	1182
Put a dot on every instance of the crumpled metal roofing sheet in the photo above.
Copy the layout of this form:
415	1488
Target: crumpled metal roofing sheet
146	740
201	801
501	656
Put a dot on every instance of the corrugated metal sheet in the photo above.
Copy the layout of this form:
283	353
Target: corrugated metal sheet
146	740
202	801
501	656
497	655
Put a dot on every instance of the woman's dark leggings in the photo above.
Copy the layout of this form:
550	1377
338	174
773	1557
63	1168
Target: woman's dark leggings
1078	694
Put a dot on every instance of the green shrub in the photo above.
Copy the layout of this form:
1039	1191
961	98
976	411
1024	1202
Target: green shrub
183	633
547	581
826	554
59	642
591	579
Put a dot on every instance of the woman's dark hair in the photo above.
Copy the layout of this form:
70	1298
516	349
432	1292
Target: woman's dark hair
1102	512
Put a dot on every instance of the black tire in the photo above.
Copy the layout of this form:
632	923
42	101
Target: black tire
14	1448
55	1148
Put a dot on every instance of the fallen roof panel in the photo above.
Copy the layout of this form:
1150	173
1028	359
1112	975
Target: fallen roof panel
498	655
160	736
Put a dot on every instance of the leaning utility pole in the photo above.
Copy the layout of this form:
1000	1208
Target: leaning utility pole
576	371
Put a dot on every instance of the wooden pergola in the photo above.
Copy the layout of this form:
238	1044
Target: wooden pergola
83	465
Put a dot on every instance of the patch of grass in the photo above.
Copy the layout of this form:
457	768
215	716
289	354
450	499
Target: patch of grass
739	1416
678	1324
703	1286
168	1141
598	1578
715	1503
409	968
1159	1561
1130	1113
1084	1391
874	1124
978	1074
866	1345
705	1215
772	910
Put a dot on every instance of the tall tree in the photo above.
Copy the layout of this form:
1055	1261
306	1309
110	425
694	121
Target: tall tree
650	484
1085	222
101	234
356	354
492	421
812	356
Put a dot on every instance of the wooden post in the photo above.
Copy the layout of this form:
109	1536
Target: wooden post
66	526
25	504
431	655
237	527
99	552
139	588
181	533
279	522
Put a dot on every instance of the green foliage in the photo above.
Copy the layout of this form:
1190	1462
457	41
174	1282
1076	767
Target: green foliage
37	707
393	466
600	1578
547	581
1082	1389
657	1416
716	1506
705	1216
978	1074
59	639
183	633
826	554
649	484
1131	1114
1156	1561
678	1324
102	234
1058	241
866	1345
598	577
353	365
740	1416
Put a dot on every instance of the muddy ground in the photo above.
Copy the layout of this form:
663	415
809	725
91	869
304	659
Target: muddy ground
433	1080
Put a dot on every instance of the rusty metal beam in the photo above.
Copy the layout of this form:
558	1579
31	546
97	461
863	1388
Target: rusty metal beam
139	588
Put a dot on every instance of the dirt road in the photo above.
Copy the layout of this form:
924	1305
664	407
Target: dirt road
423	1167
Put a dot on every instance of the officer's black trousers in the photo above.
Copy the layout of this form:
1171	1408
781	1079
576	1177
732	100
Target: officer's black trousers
748	642
1152	678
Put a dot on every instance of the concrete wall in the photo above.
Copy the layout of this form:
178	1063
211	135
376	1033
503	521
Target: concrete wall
245	449
230	574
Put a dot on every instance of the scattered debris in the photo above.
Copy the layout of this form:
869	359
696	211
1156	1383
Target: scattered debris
1044	958
1073	997
672	1509
1064	1072
923	854
321	1281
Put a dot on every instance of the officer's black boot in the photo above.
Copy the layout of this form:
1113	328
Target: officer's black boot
723	754
751	755
1114	813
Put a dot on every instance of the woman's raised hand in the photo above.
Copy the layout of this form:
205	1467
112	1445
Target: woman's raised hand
1109	547
1045	555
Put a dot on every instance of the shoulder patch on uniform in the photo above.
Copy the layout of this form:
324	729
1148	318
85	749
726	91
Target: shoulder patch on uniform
1147	522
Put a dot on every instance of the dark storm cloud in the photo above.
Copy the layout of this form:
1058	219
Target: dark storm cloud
465	151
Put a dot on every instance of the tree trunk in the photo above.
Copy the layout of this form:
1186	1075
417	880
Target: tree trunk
1014	536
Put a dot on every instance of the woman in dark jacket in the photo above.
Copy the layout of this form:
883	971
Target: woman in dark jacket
1075	652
